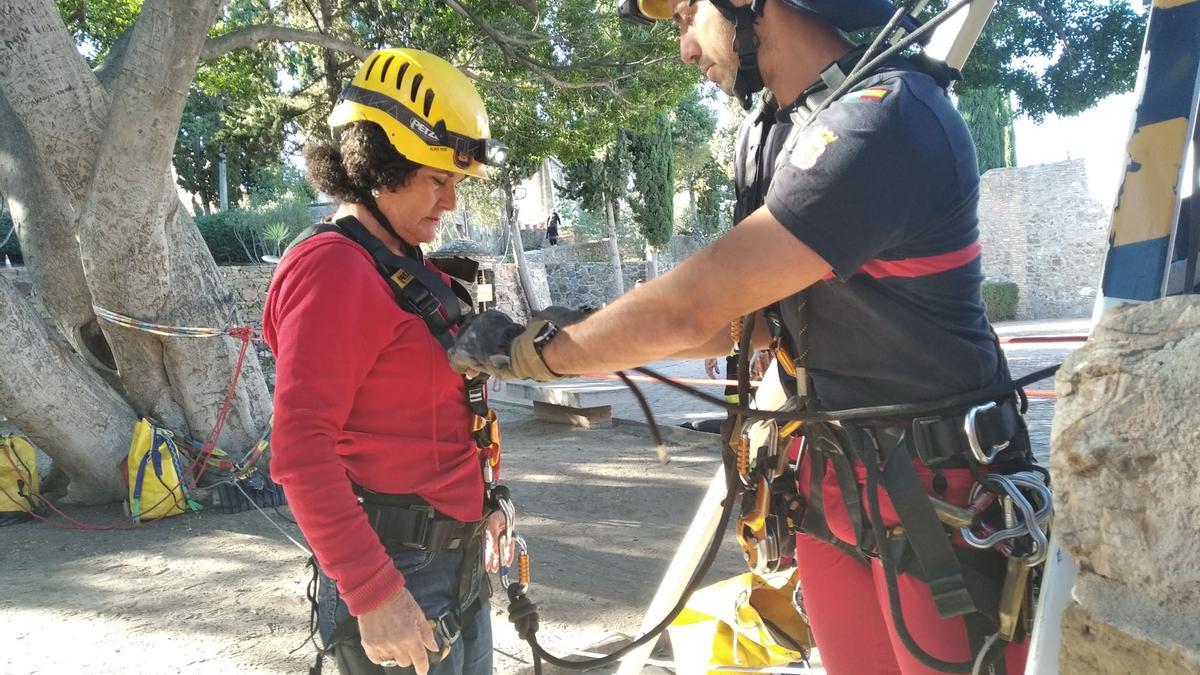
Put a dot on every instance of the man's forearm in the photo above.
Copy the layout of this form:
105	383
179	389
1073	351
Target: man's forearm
757	263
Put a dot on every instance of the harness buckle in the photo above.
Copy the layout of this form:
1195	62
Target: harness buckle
972	432
420	539
928	450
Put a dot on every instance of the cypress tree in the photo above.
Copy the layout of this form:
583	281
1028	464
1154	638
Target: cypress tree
989	116
654	184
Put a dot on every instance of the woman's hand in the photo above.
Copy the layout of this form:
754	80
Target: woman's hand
710	368
497	546
397	631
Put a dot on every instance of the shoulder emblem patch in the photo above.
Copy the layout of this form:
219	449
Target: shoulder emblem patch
871	94
811	145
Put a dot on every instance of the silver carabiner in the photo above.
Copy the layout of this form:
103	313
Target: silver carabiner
973	435
522	553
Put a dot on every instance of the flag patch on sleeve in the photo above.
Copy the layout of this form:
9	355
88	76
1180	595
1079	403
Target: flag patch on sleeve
871	94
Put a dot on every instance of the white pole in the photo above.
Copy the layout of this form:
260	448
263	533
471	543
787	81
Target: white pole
691	549
222	182
1057	583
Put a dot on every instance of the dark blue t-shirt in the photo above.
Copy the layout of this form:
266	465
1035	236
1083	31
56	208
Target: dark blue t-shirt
883	185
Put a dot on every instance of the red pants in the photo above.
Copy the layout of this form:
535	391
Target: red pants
847	602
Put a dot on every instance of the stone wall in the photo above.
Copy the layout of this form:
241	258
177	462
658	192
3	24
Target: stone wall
581	274
589	283
1043	230
590	251
1127	485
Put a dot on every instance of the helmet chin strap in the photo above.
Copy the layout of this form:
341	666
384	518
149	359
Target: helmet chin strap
368	200
748	80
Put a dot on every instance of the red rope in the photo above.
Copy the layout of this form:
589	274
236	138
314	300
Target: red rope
245	334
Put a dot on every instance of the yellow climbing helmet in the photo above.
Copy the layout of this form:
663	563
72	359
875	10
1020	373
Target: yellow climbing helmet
645	11
429	109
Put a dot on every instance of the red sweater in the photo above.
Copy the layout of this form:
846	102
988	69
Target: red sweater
363	392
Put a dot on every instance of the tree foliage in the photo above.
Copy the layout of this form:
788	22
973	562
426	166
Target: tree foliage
1057	56
714	202
653	180
592	180
989	116
693	125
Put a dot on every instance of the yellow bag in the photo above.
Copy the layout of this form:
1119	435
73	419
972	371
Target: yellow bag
157	488
746	621
18	476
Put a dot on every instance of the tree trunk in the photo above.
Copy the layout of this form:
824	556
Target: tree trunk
614	248
514	231
132	212
63	405
692	220
88	173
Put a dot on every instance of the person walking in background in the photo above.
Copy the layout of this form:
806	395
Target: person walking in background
552	228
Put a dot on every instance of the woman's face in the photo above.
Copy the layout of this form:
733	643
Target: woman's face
415	208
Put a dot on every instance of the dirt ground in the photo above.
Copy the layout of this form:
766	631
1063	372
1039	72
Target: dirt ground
217	593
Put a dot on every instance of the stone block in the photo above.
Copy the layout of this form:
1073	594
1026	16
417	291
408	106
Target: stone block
1127	483
1109	629
1124	446
597	417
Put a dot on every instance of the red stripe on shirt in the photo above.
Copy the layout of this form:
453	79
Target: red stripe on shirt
919	267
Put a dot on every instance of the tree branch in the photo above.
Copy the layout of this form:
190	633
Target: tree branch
108	69
506	48
250	36
1056	26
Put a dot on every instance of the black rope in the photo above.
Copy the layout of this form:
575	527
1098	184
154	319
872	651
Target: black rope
871	412
655	434
519	598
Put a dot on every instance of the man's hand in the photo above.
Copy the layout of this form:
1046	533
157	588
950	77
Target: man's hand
397	631
483	344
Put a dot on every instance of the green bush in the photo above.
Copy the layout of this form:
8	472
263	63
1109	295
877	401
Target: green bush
1000	299
239	236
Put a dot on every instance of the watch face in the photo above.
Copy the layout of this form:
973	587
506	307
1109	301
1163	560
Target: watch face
547	331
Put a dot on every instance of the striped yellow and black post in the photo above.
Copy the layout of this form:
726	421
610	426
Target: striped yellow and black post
1146	218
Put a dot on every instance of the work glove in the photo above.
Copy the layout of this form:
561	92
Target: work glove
493	343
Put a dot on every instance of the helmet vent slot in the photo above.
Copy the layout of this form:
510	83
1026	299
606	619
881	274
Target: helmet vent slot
386	64
416	86
371	66
428	101
400	74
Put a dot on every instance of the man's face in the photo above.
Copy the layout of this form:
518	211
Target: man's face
706	41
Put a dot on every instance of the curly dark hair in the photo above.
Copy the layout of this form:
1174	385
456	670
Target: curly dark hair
366	160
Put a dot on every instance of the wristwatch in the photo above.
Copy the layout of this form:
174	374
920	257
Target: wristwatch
543	337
